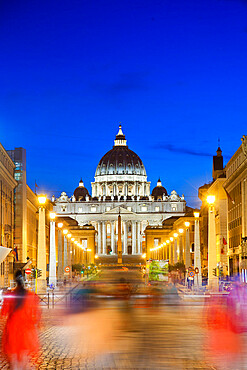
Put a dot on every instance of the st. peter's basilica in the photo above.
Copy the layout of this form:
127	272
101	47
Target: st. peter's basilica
120	187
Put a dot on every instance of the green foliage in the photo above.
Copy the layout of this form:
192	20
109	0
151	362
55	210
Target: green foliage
77	267
179	266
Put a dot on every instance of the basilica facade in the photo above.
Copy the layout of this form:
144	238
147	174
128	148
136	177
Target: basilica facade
120	186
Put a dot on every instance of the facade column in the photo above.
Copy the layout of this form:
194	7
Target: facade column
134	237
41	258
167	252
187	248
52	261
65	252
125	237
175	251
139	249
69	257
72	254
60	255
180	246
99	238
171	252
197	253
112	238
212	255
104	236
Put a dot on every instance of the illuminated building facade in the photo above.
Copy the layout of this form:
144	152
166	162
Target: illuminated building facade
120	186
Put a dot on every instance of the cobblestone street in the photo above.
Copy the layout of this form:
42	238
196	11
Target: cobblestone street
168	338
132	334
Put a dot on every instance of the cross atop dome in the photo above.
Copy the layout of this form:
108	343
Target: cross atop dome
120	138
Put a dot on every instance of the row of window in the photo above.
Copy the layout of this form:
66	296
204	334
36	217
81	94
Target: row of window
235	241
234	165
93	209
235	223
144	208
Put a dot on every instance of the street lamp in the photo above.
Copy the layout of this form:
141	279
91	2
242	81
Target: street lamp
42	200
60	251
41	254
212	254
197	250
187	245
175	248
65	249
211	199
181	245
52	260
87	250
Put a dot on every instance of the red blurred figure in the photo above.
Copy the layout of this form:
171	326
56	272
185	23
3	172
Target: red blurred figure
20	336
227	319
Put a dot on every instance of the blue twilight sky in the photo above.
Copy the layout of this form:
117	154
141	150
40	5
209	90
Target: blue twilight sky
173	72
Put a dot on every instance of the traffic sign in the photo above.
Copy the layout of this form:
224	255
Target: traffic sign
191	273
28	271
67	269
197	270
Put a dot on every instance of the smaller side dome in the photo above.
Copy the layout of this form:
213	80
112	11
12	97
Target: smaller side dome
159	191
81	192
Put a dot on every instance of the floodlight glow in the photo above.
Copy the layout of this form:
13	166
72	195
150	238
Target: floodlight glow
210	199
42	199
52	215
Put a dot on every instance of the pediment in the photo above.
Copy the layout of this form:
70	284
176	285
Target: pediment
117	210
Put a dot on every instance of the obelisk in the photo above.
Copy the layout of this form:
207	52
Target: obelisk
119	241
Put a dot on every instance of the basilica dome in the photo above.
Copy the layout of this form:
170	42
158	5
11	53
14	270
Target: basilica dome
120	160
159	191
81	192
120	173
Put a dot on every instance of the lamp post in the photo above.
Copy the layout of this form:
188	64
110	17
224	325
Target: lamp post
52	259
41	254
187	245
65	250
69	254
60	252
87	250
171	250
197	250
175	248
180	245
212	254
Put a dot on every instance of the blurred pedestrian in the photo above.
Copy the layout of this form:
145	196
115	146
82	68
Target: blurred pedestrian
20	335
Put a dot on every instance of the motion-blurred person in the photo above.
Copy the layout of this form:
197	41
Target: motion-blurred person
20	335
226	318
237	308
